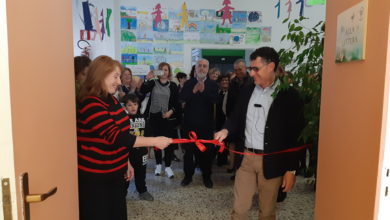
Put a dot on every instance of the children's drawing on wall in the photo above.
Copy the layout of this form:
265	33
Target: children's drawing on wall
239	21
191	37
254	18
145	36
208	38
144	19
184	16
175	37
174	20
277	6
226	12
223	39
252	35
128	48
289	7
145	48
94	23
265	34
128	18
208	27
207	14
157	15
145	59
237	39
302	6
127	35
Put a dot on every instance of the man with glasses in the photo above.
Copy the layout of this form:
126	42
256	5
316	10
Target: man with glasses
266	123
199	95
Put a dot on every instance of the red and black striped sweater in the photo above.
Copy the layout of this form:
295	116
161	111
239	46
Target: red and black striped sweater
103	136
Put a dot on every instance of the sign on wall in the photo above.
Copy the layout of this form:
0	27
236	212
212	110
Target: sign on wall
351	33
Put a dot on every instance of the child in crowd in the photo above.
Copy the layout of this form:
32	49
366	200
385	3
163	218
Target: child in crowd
137	156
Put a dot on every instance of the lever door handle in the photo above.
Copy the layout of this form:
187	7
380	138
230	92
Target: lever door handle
40	197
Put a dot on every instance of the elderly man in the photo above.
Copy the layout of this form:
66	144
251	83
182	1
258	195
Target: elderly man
199	95
266	123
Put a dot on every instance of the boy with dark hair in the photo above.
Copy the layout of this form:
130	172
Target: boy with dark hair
137	156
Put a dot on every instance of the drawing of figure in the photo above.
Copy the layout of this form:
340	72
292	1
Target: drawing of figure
278	6
157	13
184	16
226	11
289	7
302	2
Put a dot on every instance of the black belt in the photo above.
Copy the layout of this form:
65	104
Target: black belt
256	151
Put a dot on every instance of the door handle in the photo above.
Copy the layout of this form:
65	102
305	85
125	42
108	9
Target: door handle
28	198
40	197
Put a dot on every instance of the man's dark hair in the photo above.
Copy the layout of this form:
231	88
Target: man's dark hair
268	54
181	75
223	76
130	97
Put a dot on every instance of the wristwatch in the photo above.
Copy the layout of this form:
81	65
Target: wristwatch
292	171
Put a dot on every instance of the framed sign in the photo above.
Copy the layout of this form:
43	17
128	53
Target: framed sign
351	33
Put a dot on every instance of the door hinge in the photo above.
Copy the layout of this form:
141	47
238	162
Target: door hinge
7	205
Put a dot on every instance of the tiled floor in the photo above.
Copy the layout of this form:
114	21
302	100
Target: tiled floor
195	201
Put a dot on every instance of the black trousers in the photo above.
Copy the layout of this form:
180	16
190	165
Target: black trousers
162	127
102	198
138	158
204	159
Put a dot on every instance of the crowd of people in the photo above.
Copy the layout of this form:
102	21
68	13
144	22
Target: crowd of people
120	117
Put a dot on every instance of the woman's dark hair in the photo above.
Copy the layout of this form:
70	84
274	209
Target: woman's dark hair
192	73
80	63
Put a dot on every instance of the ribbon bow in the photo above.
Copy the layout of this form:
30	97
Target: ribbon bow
193	138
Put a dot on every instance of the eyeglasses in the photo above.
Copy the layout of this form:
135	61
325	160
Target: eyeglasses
254	68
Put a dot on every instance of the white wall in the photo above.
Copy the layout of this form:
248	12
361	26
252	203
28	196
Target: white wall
98	46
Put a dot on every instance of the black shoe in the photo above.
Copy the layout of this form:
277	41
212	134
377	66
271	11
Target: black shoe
208	183
186	181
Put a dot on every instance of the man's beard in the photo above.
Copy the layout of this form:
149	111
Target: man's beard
201	75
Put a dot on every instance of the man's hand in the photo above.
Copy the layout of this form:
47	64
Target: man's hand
200	86
221	135
196	88
288	181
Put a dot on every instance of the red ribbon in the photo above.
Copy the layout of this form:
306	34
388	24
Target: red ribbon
200	144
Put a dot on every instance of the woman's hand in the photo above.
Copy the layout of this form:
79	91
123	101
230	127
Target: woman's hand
167	114
162	142
150	75
130	172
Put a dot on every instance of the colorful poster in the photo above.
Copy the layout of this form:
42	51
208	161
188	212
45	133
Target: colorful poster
207	14
144	48
208	27
176	48
252	35
145	36
131	59
191	37
128	18
144	20
208	38
128	47
265	34
161	49
255	18
145	59
160	37
127	35
194	26
139	70
222	38
162	26
351	33
236	39
223	29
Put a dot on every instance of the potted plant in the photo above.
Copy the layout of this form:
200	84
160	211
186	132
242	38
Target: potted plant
304	61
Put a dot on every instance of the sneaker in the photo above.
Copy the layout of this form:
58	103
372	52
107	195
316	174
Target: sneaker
169	172
146	196
157	171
